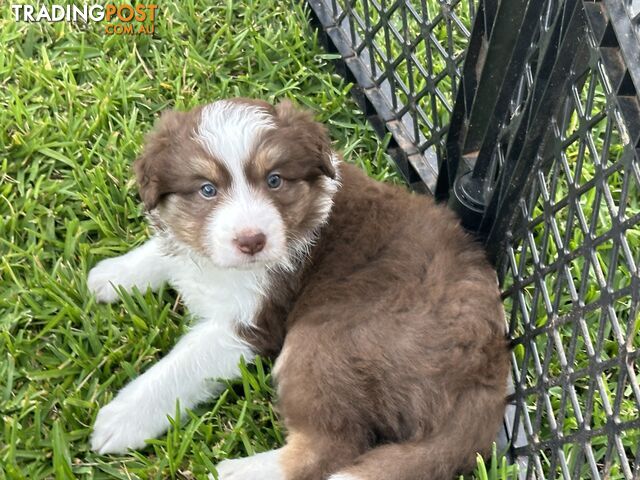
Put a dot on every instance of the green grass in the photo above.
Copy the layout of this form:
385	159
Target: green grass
74	106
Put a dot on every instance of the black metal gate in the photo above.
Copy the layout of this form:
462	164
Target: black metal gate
528	124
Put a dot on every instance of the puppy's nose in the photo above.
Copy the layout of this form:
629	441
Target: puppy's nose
251	243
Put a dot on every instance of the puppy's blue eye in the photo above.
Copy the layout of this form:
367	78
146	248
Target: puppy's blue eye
208	190
274	181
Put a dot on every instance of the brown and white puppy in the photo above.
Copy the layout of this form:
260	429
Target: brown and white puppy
384	316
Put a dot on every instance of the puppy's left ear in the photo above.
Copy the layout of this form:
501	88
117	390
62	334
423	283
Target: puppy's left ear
309	134
156	164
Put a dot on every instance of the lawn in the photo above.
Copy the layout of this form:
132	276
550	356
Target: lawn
74	106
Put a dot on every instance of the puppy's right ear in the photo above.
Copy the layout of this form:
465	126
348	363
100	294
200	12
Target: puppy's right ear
157	159
310	136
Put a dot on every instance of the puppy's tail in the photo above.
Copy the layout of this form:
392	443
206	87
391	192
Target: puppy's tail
437	457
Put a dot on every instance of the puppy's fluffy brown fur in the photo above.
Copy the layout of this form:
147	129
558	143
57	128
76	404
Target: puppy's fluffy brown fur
387	323
395	358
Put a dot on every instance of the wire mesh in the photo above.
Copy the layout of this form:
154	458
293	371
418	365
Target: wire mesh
571	286
558	153
407	58
570	271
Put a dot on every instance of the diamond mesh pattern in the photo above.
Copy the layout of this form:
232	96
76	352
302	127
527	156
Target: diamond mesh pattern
414	50
410	53
572	289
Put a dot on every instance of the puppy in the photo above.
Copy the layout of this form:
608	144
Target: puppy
384	316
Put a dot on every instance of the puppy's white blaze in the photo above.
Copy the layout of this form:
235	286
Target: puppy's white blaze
229	131
344	476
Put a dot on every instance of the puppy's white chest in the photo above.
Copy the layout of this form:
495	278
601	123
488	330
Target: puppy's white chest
217	294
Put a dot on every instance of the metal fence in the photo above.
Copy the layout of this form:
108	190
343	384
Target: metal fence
524	116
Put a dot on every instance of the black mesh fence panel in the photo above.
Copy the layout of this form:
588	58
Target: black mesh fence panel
571	287
524	116
406	58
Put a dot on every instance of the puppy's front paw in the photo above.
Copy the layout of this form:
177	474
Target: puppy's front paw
125	424
104	276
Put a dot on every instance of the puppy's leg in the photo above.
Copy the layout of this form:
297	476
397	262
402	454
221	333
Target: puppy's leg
187	374
467	429
143	267
306	456
314	454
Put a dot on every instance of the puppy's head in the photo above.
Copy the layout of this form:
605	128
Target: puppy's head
239	181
